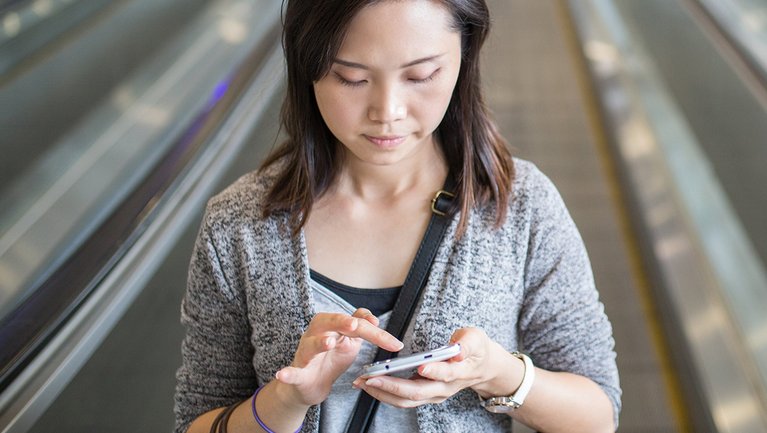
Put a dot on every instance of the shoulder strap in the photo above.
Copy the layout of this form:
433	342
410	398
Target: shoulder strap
409	295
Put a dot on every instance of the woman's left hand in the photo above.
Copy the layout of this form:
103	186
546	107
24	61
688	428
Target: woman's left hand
439	380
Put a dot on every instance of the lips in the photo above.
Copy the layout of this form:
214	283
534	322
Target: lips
386	141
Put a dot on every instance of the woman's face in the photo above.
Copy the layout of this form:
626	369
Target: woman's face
392	80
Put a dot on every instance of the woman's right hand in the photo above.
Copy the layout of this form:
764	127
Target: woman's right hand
327	348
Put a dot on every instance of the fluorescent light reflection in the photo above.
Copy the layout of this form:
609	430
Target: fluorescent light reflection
11	24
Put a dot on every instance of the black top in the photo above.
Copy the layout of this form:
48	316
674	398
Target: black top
378	301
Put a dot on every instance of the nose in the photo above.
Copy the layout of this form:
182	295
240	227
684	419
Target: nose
388	105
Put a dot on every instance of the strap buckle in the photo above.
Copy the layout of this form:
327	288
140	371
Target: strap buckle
435	200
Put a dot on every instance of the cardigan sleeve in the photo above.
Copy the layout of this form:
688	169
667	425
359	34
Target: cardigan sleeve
217	354
562	323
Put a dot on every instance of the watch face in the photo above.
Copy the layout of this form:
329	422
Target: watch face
499	408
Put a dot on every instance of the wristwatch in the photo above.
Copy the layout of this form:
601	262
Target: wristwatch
514	401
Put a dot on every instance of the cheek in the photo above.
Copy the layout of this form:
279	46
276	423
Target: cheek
337	113
434	103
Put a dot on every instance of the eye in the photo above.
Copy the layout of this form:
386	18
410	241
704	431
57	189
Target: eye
349	83
426	79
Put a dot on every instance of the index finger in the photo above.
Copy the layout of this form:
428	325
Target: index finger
375	335
366	314
358	327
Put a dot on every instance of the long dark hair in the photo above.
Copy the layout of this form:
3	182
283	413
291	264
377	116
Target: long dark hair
477	155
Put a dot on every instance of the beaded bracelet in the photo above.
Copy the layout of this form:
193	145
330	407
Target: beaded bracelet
255	413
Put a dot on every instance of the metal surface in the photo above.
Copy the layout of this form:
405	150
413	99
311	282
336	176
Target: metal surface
53	90
77	184
30	394
30	26
39	385
690	229
745	23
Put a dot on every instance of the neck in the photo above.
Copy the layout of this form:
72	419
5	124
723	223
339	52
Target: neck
426	170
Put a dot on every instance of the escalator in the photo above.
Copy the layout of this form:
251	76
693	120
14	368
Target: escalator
681	87
121	117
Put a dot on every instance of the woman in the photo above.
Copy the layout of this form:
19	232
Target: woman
383	104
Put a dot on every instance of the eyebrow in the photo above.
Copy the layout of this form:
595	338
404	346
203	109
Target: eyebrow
406	65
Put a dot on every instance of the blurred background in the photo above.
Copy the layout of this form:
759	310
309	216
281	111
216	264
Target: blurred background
119	119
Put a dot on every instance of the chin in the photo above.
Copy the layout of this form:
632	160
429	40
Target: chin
383	160
382	157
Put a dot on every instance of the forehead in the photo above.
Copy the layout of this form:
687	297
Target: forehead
396	30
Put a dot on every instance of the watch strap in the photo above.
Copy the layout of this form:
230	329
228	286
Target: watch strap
514	401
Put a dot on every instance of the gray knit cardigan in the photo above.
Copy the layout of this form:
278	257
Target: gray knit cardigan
528	284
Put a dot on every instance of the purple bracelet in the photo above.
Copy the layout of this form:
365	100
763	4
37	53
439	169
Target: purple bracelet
255	413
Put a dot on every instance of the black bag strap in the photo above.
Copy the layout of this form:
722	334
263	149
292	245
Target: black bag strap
409	295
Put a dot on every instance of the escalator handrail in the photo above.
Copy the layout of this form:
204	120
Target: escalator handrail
34	31
749	47
26	330
667	180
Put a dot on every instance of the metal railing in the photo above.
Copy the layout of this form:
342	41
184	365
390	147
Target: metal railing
744	22
185	114
707	274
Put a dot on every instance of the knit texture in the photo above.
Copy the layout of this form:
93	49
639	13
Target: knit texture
527	284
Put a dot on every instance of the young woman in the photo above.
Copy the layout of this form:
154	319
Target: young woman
297	266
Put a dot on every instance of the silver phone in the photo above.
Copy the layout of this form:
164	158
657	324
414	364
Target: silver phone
408	362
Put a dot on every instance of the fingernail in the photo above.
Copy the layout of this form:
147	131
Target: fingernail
374	382
425	371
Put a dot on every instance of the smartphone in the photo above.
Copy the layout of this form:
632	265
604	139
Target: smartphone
408	362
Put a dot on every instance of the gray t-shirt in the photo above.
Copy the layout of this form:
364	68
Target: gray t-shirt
337	409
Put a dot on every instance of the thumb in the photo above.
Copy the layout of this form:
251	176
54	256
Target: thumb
472	341
290	375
